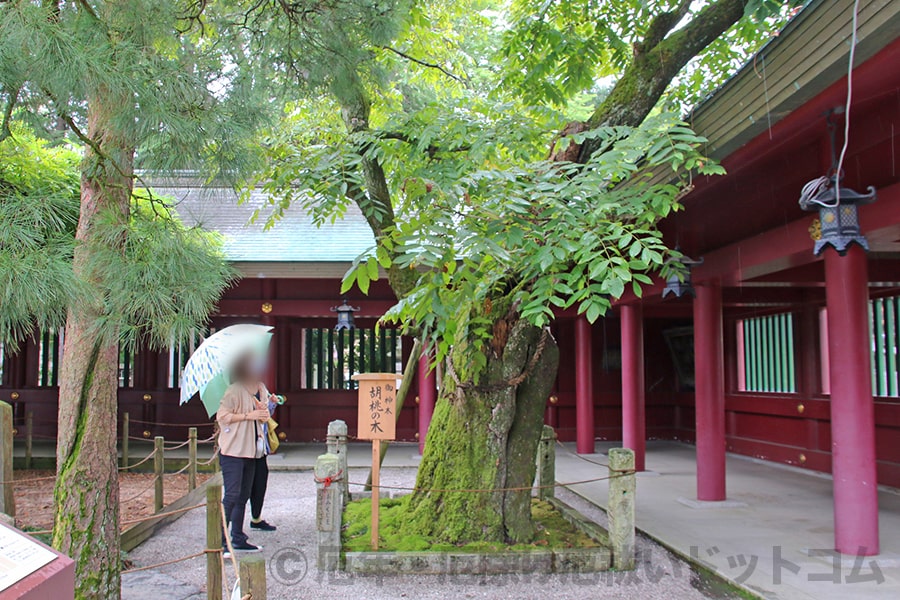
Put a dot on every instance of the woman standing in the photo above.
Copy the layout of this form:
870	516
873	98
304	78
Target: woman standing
261	472
241	443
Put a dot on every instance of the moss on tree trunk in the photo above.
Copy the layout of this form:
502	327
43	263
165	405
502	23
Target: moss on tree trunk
485	438
87	492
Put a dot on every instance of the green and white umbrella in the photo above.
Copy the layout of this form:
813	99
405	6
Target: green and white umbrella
206	372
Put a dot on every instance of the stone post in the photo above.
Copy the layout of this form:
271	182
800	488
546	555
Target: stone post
336	443
329	508
546	463
621	508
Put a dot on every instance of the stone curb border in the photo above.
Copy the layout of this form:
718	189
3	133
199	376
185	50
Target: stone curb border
560	560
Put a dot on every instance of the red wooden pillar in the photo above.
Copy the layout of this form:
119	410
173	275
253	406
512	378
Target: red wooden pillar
427	396
709	391
584	388
633	420
852	407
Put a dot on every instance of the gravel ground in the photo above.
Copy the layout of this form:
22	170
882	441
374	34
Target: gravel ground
291	506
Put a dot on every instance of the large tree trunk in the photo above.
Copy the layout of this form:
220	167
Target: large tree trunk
485	437
87	490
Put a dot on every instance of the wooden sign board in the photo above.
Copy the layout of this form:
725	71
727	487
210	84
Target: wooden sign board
377	421
377	406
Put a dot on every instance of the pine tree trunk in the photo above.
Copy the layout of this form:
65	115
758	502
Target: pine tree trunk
87	491
485	437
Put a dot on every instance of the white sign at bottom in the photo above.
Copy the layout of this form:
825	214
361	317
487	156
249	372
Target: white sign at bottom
20	556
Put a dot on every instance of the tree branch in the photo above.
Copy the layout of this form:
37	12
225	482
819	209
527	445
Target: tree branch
645	80
95	147
5	131
660	27
701	31
449	74
87	8
431	149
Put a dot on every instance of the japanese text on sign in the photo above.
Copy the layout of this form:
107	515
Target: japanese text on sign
377	406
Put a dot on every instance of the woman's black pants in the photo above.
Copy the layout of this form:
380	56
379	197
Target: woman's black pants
237	477
258	491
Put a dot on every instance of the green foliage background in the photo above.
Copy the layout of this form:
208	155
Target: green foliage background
159	290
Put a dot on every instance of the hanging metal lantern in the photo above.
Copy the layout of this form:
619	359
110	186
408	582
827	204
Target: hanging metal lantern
838	213
344	316
681	286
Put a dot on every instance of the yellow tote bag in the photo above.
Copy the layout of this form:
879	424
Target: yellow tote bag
274	442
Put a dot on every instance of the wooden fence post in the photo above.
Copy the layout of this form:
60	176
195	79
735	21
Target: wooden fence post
546	463
329	508
7	499
621	508
192	458
213	542
126	427
159	465
253	577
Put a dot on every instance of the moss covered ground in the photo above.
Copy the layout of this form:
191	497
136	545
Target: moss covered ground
552	530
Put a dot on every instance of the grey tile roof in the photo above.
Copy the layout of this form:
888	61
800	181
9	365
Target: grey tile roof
294	238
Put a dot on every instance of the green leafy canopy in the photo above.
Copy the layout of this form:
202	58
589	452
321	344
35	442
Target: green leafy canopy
545	236
446	154
557	49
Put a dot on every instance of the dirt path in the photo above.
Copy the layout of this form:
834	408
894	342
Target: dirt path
34	495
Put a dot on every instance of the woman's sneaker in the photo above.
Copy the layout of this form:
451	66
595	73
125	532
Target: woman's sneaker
262	526
246	547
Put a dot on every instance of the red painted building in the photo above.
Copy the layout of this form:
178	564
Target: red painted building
783	354
795	354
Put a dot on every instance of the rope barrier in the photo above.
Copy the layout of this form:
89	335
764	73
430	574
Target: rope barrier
140	494
227	534
181	470
488	491
211	459
17	481
133	521
207	424
140	462
162	514
327	481
177	446
509	383
578	456
168	562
